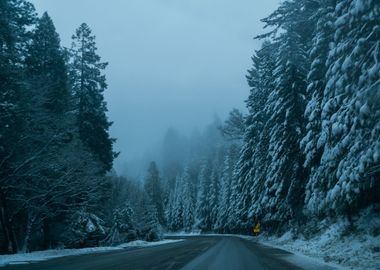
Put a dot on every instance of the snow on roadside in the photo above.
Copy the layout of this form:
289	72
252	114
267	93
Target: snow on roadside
25	258
358	250
301	258
178	234
140	243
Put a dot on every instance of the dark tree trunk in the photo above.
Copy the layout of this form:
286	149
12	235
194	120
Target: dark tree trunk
6	223
47	236
5	234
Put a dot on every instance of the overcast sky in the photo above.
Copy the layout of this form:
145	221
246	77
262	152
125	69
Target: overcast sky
172	63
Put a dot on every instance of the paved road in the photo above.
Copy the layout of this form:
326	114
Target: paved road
198	252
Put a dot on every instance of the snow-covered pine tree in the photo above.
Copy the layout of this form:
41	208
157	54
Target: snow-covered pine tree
153	189
188	200
316	80
181	207
234	126
177	206
169	211
284	183
224	199
350	113
254	161
123	227
316	83
152	227
89	83
259	107
214	195
233	223
203	208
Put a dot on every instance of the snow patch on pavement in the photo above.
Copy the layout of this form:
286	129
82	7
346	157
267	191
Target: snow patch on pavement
36	256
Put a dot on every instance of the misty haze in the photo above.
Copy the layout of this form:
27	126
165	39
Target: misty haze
173	134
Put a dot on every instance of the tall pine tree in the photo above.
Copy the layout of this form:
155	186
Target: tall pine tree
153	189
89	83
16	17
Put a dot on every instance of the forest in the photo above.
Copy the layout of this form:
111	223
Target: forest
306	152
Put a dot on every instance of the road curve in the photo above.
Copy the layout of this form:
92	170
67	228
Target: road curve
197	252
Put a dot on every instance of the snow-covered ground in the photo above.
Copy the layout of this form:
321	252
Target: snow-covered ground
179	234
356	250
24	258
350	252
140	243
310	261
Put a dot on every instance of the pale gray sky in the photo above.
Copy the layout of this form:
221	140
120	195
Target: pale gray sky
172	62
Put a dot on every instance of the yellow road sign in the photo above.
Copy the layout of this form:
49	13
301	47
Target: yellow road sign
257	228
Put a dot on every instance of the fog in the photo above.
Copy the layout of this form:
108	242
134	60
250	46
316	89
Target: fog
172	63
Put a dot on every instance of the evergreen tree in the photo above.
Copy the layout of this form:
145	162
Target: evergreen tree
233	222
188	201
48	107
254	161
153	189
177	211
346	181
285	179
46	68
214	195
234	127
203	208
224	199
89	83
169	211
16	17
316	79
151	223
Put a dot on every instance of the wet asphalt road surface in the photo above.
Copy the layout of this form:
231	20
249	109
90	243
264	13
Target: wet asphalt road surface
196	252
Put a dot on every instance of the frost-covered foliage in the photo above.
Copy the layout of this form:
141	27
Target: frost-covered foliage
123	228
311	139
85	229
153	189
181	209
202	196
227	183
349	131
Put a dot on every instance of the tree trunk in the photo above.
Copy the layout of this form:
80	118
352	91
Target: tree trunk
7	227
47	236
4	249
13	238
30	221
